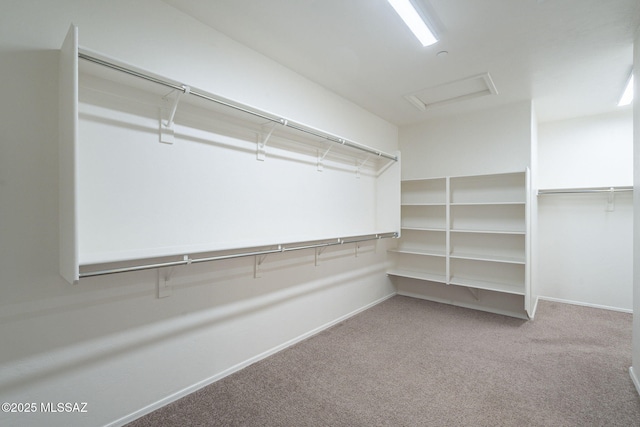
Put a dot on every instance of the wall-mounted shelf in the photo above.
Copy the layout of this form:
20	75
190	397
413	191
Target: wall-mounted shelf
610	192
242	253
469	231
184	89
151	167
585	190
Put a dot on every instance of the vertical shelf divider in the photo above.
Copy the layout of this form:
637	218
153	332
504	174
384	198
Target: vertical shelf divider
448	229
68	157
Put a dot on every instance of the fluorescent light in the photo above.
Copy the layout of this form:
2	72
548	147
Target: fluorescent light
627	96
410	16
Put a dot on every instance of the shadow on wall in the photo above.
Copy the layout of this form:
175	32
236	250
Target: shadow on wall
28	170
77	356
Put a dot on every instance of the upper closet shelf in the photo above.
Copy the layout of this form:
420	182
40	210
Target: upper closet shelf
179	90
583	190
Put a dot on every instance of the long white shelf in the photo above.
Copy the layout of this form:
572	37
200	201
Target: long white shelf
616	189
486	203
514	288
420	275
489	258
519	232
114	64
423	252
404	227
509	288
245	252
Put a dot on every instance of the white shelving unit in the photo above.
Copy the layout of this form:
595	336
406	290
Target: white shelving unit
155	172
469	231
422	250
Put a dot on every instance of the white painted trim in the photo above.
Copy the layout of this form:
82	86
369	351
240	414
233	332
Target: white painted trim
465	305
535	308
586	304
197	386
635	379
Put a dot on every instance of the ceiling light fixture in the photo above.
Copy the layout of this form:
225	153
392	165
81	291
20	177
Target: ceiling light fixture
627	96
412	18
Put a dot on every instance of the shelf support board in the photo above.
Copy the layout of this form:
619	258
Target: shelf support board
611	200
318	252
259	259
166	125
164	286
358	166
321	158
262	142
474	292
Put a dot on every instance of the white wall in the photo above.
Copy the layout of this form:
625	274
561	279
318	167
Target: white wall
635	369
491	141
585	250
109	341
534	237
207	191
593	151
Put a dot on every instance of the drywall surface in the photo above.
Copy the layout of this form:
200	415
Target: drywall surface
593	151
586	243
490	141
109	341
635	371
586	251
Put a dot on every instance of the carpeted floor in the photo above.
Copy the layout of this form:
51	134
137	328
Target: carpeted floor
409	362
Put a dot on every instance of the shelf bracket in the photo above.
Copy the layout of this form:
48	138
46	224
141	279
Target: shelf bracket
163	286
358	166
474	292
611	200
319	250
321	158
166	125
383	169
257	263
164	278
262	142
317	255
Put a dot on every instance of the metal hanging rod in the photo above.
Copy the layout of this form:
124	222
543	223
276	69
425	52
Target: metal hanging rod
190	91
585	190
281	248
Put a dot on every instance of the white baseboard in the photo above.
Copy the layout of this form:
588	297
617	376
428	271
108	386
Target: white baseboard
197	386
586	304
634	378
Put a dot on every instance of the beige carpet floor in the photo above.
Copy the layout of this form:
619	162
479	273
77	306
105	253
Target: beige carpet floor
409	362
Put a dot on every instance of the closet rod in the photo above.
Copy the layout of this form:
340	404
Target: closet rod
281	248
281	121
585	190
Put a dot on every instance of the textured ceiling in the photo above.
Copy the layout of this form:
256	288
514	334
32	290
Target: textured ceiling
571	57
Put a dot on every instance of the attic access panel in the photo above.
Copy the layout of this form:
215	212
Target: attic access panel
459	90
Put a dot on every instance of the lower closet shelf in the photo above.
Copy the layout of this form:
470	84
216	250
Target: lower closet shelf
420	275
490	258
515	289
